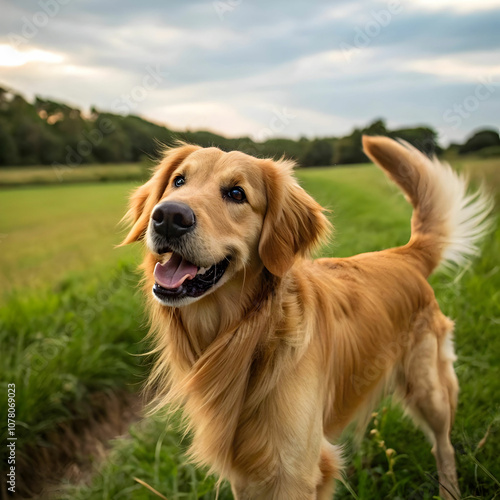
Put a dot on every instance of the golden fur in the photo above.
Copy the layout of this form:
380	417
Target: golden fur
284	352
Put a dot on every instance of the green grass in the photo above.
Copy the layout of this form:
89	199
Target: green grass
59	174
66	326
60	347
368	213
46	232
74	334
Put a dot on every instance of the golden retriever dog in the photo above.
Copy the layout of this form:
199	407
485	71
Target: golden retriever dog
271	354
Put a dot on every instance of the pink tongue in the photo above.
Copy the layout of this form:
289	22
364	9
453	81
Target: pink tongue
174	272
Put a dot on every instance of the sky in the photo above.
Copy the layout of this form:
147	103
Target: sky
262	68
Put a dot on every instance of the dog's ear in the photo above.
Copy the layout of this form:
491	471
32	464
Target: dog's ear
294	222
144	198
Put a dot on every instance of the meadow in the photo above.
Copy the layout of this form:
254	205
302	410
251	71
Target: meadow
71	324
63	174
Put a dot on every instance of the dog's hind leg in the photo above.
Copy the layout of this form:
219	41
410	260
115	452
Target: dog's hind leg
430	389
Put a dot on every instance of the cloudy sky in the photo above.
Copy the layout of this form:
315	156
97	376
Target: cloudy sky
262	67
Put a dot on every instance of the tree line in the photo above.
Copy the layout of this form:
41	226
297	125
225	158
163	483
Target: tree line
47	132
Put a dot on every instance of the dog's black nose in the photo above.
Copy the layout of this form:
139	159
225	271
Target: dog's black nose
173	219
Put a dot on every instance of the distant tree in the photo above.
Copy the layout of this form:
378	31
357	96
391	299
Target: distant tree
51	147
377	127
423	138
280	147
349	149
480	140
318	154
144	136
245	145
27	134
110	142
8	146
48	131
209	139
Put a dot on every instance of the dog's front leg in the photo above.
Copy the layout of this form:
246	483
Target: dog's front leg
282	462
330	465
282	487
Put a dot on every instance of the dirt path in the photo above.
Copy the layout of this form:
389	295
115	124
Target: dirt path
73	449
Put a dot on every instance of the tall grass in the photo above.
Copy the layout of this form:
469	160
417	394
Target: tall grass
61	347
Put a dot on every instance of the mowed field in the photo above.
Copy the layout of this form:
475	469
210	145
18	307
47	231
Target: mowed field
71	321
48	231
40	175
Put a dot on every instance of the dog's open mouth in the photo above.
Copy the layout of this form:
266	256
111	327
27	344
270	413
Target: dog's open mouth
178	278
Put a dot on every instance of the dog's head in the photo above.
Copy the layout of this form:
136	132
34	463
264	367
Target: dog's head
208	216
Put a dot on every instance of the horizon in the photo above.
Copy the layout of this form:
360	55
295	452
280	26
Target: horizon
86	114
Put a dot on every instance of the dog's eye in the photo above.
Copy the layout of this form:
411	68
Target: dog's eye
179	181
237	194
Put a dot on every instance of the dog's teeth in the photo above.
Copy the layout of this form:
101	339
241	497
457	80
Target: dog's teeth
202	270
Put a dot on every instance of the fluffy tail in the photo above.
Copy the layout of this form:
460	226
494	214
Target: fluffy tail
447	223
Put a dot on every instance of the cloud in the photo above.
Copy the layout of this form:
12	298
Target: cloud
10	56
330	63
467	67
457	5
